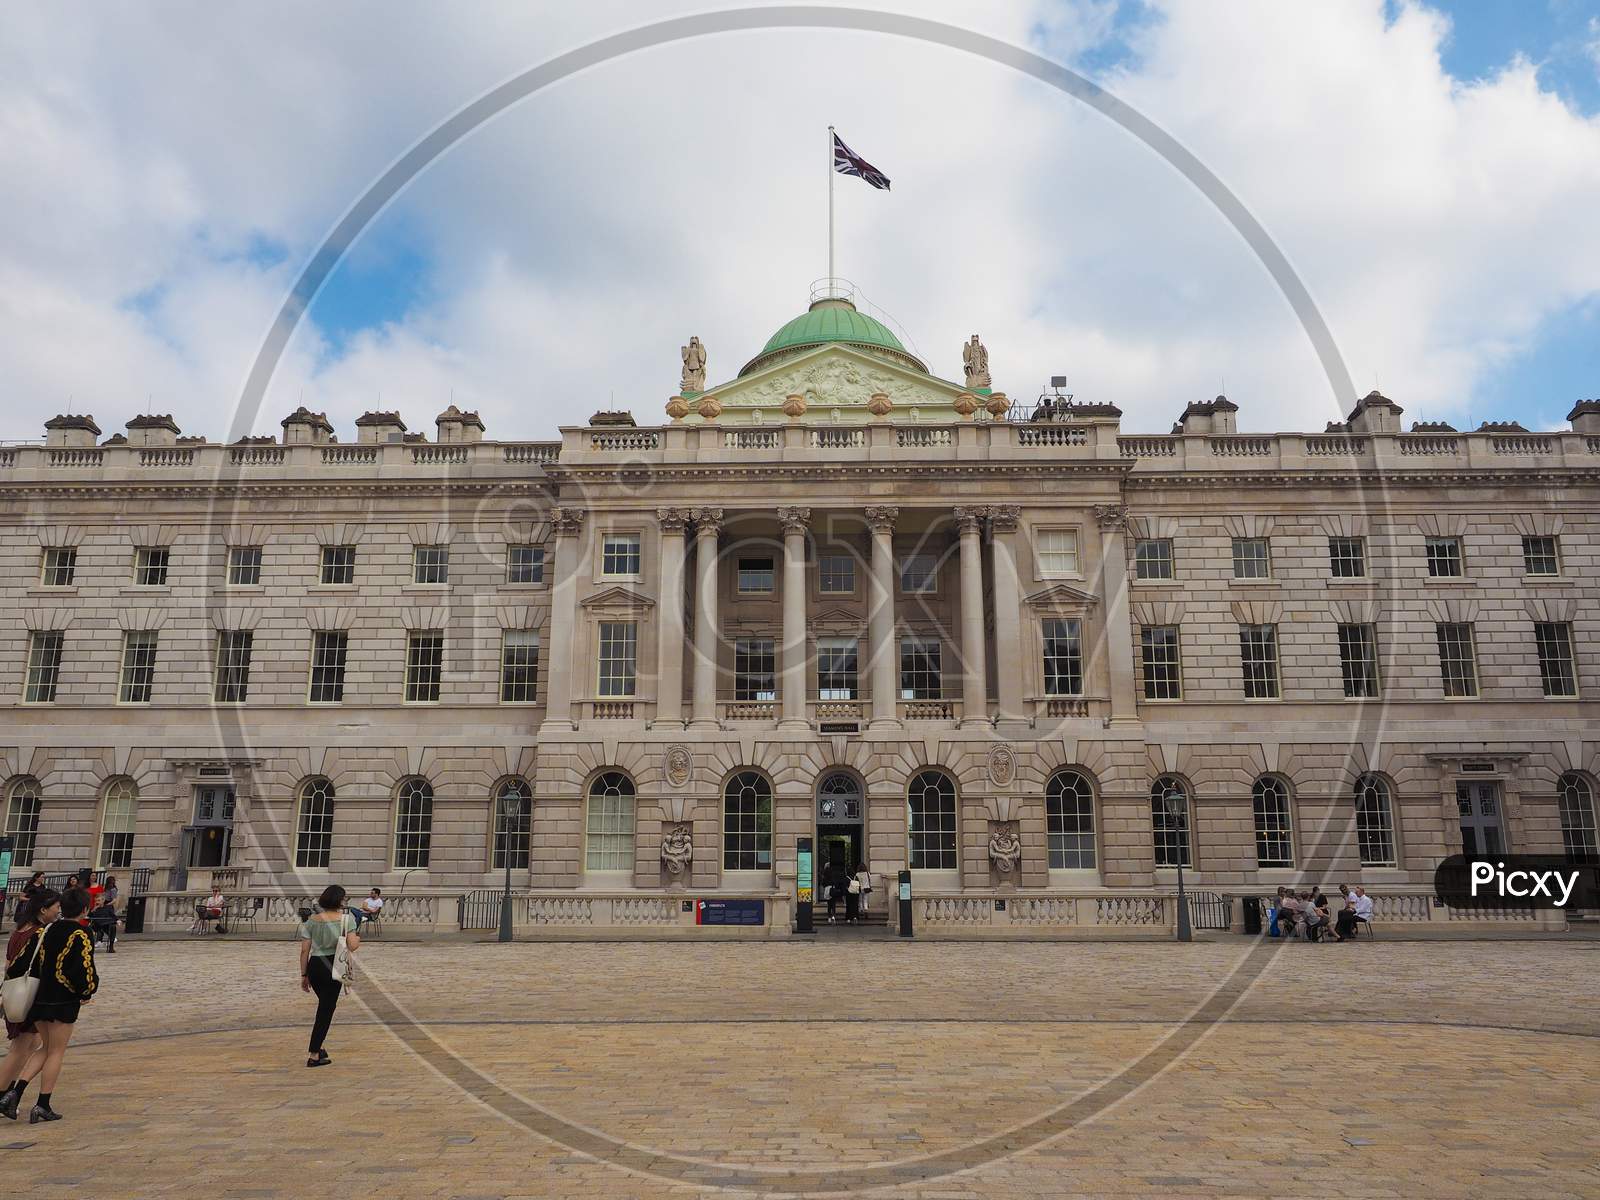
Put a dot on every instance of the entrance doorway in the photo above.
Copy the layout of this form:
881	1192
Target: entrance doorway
841	828
1482	830
210	838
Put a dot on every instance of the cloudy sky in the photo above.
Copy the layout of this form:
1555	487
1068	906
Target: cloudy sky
1432	172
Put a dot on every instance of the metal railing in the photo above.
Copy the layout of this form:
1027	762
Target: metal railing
1210	910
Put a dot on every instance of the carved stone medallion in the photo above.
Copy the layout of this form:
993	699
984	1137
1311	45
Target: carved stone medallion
1002	766
679	765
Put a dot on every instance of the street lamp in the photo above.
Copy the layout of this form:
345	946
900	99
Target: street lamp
510	803
1177	809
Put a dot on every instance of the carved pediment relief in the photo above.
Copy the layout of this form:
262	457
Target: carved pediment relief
839	377
1061	596
618	600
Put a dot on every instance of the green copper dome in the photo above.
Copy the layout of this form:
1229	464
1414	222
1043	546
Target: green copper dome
832	320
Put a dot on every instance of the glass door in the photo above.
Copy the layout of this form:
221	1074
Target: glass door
212	841
1482	831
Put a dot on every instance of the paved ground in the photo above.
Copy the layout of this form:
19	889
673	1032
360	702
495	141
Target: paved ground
920	1070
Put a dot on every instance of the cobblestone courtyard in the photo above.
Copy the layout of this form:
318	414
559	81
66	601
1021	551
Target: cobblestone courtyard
954	1070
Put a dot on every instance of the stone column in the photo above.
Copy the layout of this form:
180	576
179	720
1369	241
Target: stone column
567	524
793	685
882	652
707	627
974	660
669	608
1003	521
1113	519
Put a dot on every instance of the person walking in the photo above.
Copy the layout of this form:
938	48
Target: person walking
852	896
23	1040
67	981
834	880
320	937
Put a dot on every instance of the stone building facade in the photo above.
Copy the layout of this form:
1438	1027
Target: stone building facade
836	597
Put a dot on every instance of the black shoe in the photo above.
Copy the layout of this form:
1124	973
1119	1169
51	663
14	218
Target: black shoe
41	1113
9	1102
319	1059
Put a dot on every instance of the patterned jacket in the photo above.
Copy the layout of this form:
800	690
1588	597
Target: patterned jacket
66	969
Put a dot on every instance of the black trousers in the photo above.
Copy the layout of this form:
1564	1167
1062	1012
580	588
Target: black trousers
319	972
104	927
1345	922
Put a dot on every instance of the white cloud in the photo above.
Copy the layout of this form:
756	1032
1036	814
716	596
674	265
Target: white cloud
576	241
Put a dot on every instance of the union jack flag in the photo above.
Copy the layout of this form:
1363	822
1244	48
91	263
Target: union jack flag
847	162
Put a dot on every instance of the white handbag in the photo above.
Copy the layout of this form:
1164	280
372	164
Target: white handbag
17	995
343	968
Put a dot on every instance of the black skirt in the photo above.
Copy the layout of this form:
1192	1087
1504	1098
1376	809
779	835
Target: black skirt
65	1011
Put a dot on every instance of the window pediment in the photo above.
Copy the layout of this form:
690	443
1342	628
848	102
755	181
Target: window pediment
1061	597
618	600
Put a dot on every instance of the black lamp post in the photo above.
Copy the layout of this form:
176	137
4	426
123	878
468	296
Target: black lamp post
1178	817
508	812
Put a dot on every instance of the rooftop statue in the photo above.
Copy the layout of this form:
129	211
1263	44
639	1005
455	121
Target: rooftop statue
694	367
976	360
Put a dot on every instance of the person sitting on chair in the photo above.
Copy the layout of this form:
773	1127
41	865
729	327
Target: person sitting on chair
368	908
1363	903
214	906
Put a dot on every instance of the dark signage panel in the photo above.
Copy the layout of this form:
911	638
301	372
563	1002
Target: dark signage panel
730	912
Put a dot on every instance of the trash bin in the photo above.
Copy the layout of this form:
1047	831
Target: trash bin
1252	915
133	918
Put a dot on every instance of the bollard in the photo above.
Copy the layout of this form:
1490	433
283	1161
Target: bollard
905	904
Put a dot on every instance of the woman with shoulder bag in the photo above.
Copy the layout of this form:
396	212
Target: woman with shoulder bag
852	897
61	955
327	938
865	877
41	906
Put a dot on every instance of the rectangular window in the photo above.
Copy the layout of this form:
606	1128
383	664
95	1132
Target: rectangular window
1170	826
138	667
233	665
921	676
1058	552
619	556
58	566
755	669
1358	660
524	564
919	575
1554	639
1152	558
836	669
1444	557
1251	559
1063	657
619	658
150	566
313	841
1347	557
327	666
519	666
755	576
338	565
608	829
1158	653
836	574
1458	667
44	666
1258	659
424	665
244	566
1274	838
430	564
1541	556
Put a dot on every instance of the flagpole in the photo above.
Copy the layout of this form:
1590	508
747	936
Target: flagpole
831	174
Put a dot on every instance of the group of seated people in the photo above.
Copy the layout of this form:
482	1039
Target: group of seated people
1309	914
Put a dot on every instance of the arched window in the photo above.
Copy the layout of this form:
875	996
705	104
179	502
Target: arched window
1274	837
747	823
610	823
1169	819
1374	822
513	824
931	817
22	819
413	824
1069	821
313	831
1576	799
119	819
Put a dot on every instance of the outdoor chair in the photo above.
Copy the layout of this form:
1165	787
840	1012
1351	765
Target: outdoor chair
247	913
372	924
203	921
